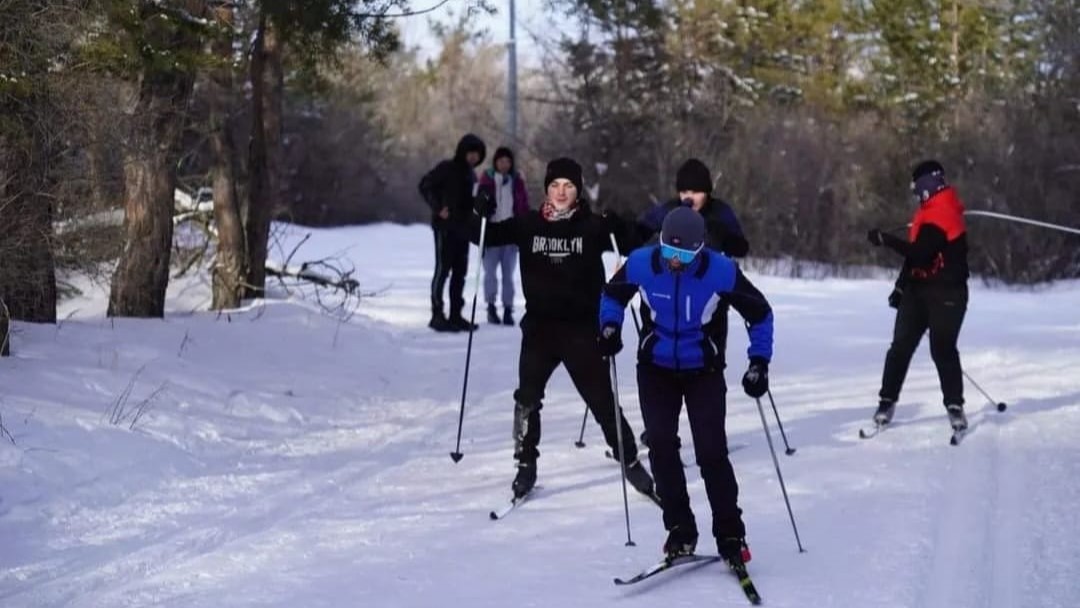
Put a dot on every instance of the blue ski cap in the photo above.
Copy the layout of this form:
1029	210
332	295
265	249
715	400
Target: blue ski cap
682	235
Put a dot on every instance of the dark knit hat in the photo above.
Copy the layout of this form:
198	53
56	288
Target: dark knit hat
503	152
693	175
927	179
564	168
683	228
927	167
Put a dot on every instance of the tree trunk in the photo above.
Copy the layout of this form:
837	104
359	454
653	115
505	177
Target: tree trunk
30	293
27	265
5	333
230	268
258	173
265	163
150	157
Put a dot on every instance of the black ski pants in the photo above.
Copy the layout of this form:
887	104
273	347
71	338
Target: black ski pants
451	261
940	309
544	345
662	393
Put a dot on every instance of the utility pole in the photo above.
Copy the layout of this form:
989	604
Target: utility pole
511	85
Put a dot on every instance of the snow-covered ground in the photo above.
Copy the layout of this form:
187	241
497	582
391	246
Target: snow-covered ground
287	458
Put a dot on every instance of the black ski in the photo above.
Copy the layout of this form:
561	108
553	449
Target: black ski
667	564
864	434
514	503
958	436
739	570
745	583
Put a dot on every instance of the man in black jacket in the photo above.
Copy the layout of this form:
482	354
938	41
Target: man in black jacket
931	293
562	274
448	189
694	185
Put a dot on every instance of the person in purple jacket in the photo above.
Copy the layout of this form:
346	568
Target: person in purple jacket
503	185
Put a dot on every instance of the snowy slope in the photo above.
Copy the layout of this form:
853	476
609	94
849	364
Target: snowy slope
290	459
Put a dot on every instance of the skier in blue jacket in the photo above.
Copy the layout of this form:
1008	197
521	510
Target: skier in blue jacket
679	360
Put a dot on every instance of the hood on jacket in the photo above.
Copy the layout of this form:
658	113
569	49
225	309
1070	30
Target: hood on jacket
470	143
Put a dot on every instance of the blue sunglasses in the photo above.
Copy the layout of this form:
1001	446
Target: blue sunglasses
685	256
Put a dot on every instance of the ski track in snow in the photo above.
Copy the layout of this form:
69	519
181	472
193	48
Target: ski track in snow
288	459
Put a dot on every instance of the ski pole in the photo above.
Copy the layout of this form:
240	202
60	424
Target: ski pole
1023	220
581	436
776	463
580	443
1001	405
787	448
619	440
456	455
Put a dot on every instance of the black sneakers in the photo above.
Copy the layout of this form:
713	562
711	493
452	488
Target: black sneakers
525	479
440	323
681	540
459	323
885	410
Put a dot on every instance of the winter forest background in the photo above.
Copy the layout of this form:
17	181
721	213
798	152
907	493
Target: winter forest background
810	114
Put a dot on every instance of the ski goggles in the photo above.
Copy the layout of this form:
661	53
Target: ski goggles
685	256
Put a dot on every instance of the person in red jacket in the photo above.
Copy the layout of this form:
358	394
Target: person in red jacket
931	292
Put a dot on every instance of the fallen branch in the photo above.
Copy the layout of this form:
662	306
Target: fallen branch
319	272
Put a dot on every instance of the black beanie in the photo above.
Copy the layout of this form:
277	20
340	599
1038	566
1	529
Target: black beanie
564	168
693	175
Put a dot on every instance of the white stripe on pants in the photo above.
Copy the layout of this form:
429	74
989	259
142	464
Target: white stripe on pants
504	258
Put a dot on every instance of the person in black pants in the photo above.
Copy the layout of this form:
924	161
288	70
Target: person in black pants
694	186
678	362
562	272
448	190
930	294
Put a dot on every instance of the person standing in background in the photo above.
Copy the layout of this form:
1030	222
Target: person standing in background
505	186
448	190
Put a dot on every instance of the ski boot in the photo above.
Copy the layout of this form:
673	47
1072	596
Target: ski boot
885	410
525	479
734	550
508	316
681	541
493	315
956	417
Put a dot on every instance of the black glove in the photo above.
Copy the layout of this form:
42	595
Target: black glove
756	379
483	204
876	237
610	340
895	297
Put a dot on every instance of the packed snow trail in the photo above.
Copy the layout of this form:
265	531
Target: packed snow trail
291	459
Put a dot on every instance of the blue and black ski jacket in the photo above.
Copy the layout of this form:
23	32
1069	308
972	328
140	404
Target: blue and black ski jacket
679	330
